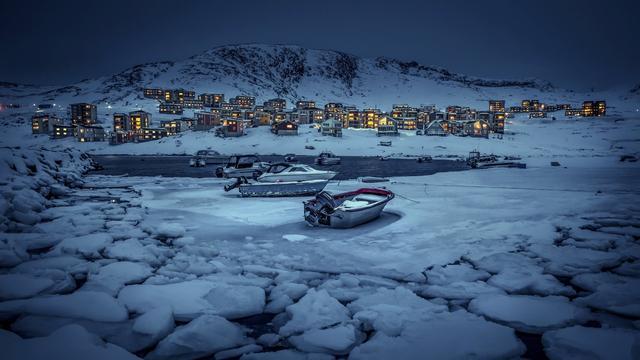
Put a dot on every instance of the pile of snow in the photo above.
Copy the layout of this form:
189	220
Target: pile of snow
531	314
90	305
69	342
592	343
113	277
201	337
190	299
29	175
457	335
28	178
316	310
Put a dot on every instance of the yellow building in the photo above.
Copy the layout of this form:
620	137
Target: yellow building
139	120
370	118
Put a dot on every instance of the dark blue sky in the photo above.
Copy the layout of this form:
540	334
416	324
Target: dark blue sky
574	44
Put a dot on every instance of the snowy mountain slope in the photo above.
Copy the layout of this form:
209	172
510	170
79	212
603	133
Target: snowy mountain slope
293	72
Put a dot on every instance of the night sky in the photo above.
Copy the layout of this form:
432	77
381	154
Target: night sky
573	44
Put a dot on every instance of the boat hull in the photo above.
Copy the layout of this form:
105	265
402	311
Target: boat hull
292	188
271	178
348	219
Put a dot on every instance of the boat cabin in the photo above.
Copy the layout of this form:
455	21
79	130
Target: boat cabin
242	161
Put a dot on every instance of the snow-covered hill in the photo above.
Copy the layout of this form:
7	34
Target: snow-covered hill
294	73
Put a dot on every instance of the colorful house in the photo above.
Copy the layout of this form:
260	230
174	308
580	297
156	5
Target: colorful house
332	127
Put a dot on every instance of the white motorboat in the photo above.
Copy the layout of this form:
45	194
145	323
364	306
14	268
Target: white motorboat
272	189
348	209
286	172
327	158
238	166
204	157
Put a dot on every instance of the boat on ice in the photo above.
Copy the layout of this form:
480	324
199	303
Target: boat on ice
327	158
287	172
478	161
242	166
205	157
272	189
346	210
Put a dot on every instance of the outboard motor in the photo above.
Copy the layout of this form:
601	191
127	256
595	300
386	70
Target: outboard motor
239	181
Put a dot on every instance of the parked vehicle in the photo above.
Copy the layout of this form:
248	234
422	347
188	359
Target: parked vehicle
347	209
272	189
425	158
385	143
284	172
419	132
204	157
327	158
242	166
309	147
290	158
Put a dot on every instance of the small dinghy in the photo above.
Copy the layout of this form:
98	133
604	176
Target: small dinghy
348	209
273	189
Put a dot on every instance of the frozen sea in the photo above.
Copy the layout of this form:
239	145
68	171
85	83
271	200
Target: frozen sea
497	263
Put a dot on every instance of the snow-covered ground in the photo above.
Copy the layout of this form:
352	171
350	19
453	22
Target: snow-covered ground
537	140
461	264
496	263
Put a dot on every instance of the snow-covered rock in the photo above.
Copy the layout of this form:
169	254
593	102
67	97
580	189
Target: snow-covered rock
443	275
337	340
286	355
460	290
157	322
529	280
314	311
292	290
269	339
112	277
69	264
237	352
579	342
120	333
530	314
592	281
201	337
69	342
629	269
457	335
18	286
89	305
190	299
621	298
388	311
89	246
170	230
501	262
133	250
571	260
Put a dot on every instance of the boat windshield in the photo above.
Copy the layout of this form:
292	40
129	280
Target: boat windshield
278	168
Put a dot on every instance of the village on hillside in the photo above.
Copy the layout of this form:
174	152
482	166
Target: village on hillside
230	118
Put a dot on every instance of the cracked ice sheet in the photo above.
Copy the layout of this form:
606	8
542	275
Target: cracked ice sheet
417	230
